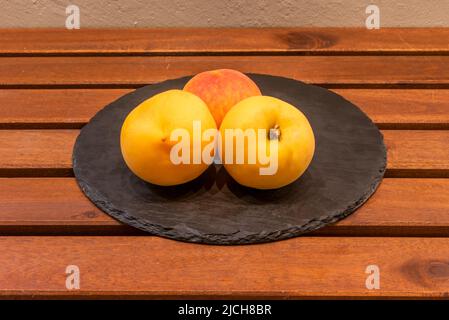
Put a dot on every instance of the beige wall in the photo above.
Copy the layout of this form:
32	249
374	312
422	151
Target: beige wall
221	13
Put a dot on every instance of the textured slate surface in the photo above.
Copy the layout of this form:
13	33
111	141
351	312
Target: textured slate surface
348	165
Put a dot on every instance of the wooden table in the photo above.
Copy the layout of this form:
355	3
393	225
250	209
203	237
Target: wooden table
53	81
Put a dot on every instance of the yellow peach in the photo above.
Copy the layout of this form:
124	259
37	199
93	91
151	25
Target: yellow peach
147	143
269	158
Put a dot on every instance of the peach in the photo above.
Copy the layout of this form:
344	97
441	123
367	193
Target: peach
288	143
147	141
222	89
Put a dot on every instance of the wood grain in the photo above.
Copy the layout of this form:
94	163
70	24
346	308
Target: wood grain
402	109
36	152
154	267
181	41
138	71
57	206
410	152
55	108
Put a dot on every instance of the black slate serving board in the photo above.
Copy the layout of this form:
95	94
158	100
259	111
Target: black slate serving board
347	167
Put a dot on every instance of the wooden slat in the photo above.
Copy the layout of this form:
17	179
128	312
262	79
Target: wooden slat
230	41
57	206
54	108
137	71
36	152
155	267
401	207
402	109
47	201
414	152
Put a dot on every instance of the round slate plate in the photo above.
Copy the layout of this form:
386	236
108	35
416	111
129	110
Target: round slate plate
348	165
